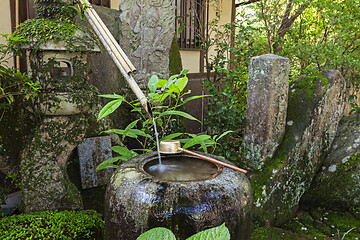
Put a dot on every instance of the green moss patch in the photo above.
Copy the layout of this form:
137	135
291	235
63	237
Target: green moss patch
273	233
53	225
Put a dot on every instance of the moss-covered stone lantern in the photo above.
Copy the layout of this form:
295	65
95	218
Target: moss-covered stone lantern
56	48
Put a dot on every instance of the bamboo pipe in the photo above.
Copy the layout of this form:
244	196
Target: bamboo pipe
117	54
115	47
90	13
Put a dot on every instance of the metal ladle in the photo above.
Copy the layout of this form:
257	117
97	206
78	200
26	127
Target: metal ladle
173	146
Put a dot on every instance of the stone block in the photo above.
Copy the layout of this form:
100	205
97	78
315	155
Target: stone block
92	152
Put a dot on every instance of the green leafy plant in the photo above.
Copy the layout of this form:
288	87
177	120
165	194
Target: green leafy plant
166	98
53	225
216	233
227	81
344	235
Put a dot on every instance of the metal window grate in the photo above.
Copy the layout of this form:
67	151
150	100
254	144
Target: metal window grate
190	15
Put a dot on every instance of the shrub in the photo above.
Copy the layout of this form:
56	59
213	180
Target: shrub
53	225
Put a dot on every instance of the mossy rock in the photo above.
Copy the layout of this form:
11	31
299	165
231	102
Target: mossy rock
337	185
312	122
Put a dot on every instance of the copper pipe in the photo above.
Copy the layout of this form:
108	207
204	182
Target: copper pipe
213	160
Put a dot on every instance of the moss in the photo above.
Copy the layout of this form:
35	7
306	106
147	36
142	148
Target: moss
273	233
37	31
53	225
16	128
327	190
316	223
343	221
41	166
175	65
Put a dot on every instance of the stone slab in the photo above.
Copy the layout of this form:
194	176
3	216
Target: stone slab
92	152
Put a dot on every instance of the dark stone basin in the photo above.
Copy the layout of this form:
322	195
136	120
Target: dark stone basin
138	199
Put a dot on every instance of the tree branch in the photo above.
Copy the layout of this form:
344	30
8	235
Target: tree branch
286	23
246	3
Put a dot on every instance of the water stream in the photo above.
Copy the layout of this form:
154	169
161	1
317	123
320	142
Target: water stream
157	143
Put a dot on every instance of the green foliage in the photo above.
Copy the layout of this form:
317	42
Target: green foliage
14	83
34	32
166	98
175	65
216	233
227	82
53	225
55	9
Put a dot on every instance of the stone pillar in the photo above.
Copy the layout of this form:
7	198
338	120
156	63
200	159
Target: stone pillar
147	29
45	184
268	86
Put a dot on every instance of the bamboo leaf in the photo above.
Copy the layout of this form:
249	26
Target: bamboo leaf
196	140
178	113
171	136
109	108
194	97
224	134
114	96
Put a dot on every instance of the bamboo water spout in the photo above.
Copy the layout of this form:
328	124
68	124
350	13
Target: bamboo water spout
123	63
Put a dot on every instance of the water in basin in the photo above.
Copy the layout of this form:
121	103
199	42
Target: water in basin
182	169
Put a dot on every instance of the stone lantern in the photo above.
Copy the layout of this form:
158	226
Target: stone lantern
64	98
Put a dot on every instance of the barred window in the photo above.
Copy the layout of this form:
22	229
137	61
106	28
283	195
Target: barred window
190	15
103	3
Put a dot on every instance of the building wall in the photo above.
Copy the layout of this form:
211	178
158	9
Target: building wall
114	4
5	26
191	59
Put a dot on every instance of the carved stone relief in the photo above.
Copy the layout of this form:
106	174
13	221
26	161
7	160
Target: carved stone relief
147	28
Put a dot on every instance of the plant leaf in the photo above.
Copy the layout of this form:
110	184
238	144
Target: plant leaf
108	163
171	136
184	71
114	96
152	83
181	83
224	134
216	233
109	108
131	125
194	97
196	140
157	234
178	113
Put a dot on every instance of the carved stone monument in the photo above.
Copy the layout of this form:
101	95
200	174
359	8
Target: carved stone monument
147	28
266	106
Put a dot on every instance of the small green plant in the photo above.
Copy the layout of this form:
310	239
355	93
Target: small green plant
166	98
227	81
344	235
216	233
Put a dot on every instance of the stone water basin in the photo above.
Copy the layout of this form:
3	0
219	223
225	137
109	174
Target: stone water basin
187	196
